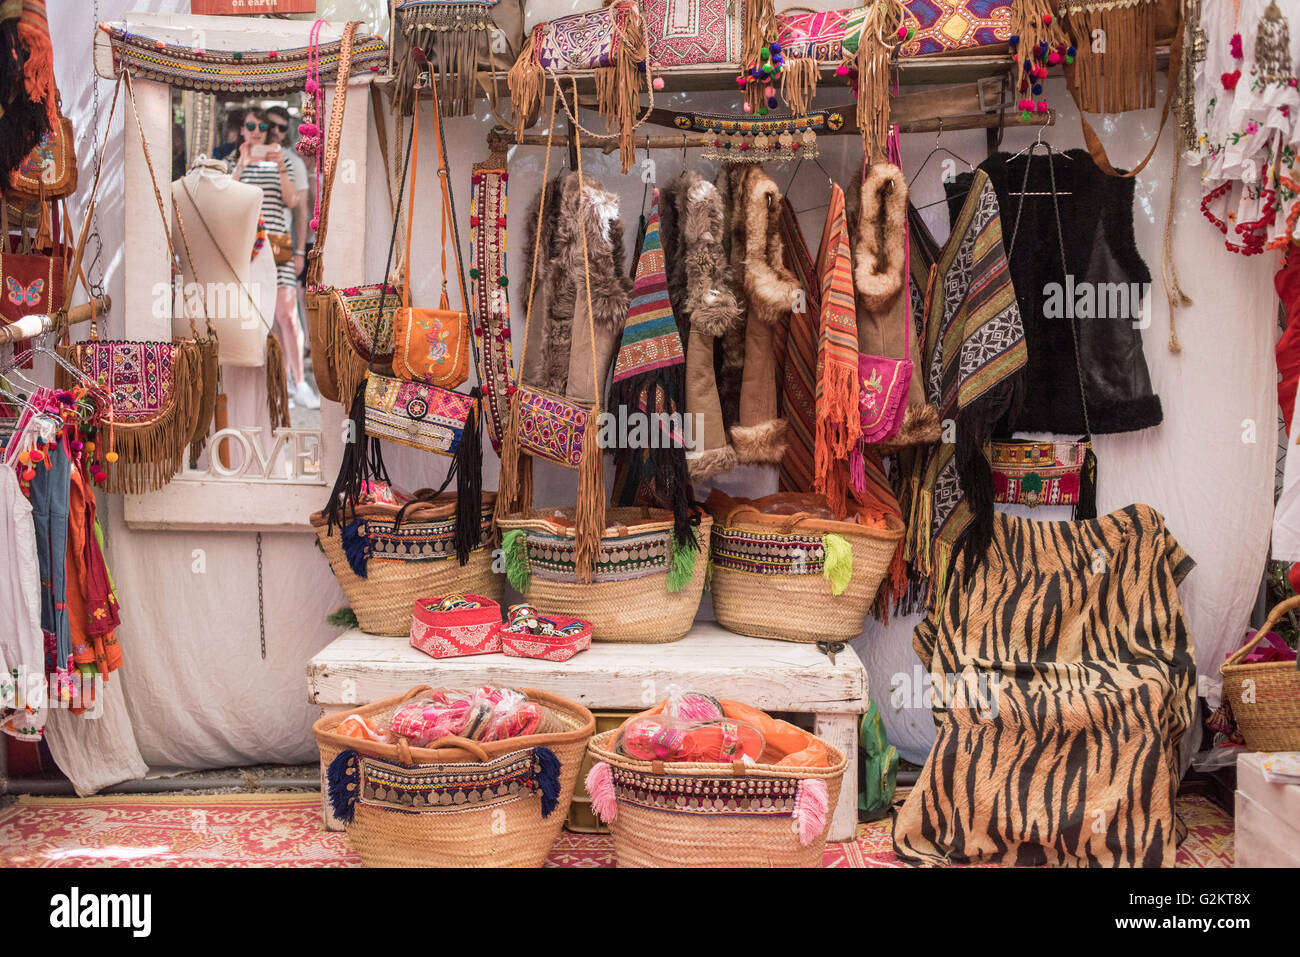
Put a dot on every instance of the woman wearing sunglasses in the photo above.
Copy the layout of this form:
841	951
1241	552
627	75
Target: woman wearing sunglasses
260	162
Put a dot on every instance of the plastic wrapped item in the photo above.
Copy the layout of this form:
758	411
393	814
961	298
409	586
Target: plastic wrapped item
485	714
716	741
692	705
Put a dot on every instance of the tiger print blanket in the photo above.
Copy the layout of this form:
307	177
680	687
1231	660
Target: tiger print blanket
1063	680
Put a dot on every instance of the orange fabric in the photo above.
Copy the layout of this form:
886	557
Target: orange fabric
787	746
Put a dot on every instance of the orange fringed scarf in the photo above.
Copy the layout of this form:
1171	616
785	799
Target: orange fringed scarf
838	420
38	73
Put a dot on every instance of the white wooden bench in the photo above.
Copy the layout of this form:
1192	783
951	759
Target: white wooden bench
357	669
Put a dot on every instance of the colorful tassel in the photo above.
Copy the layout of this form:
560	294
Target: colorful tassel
682	569
343	785
547	768
356	546
514	547
811	802
600	787
838	565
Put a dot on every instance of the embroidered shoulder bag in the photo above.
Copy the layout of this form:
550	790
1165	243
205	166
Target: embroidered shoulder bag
1047	473
430	345
552	426
50	169
33	276
156	390
417	414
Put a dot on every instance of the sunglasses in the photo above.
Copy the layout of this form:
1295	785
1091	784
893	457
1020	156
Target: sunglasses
280	127
250	126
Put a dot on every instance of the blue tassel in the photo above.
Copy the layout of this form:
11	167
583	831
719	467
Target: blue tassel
343	784
548	778
356	547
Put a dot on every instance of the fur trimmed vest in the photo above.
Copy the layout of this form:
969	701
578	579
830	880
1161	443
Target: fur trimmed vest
767	288
877	211
558	352
1101	292
691	229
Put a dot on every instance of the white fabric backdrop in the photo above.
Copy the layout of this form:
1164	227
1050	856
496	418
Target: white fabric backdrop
199	694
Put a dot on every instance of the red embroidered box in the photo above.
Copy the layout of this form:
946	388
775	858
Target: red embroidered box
461	631
548	647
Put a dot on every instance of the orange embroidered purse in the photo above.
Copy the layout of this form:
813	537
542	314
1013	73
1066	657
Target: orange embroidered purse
430	345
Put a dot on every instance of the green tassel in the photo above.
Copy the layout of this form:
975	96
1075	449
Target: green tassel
514	544
682	568
343	617
838	567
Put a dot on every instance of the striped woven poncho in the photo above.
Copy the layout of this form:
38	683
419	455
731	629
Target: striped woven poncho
973	359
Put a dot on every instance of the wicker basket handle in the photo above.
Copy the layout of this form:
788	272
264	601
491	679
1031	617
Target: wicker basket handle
785	527
465	744
1274	616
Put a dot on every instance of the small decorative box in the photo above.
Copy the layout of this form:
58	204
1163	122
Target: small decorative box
548	647
458	631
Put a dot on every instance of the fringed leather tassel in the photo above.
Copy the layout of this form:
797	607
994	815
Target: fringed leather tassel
349	368
363	462
343	785
468	465
875	45
590	525
799	76
514	549
547	768
757	29
515	481
450	35
277	384
210	366
1087	505
618	86
525	80
1123	77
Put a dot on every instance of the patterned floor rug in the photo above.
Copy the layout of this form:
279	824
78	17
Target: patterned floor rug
284	830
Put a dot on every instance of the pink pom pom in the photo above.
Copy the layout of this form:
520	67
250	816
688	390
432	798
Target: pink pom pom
842	70
600	786
1042	106
748	108
315	223
902	33
658	83
810	805
1053	58
311	86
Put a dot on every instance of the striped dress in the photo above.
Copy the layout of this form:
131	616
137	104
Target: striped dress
275	215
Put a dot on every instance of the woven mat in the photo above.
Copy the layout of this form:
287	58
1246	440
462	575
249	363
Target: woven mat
284	830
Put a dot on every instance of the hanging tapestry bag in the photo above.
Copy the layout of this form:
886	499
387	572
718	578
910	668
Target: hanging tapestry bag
50	170
773	813
1045	473
460	39
457	802
782	568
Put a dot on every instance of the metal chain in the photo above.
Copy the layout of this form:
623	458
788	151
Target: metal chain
261	609
96	285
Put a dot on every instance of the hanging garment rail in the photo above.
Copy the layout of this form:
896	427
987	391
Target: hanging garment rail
31	326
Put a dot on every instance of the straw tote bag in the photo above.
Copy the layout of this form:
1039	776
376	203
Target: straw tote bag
430	345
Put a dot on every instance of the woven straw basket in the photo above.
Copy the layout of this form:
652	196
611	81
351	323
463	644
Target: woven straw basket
385	599
619	606
686	814
1265	697
767	570
459	803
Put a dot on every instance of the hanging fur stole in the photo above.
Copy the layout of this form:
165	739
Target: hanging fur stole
884	296
1122	76
692	226
454	39
650	384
